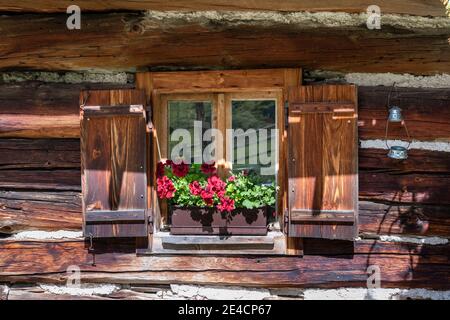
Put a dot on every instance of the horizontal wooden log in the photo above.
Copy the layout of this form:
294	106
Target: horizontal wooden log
402	265
414	7
39	210
30	292
391	219
419	161
126	41
34	292
40	179
36	126
39	153
43	110
406	188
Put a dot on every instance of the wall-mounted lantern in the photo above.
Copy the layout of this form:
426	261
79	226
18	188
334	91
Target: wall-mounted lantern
395	115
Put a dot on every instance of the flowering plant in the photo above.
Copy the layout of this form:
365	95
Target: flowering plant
199	185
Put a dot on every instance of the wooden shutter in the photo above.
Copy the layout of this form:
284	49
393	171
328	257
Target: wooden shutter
113	149
322	163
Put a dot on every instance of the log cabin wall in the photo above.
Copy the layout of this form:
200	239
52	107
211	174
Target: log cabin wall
404	209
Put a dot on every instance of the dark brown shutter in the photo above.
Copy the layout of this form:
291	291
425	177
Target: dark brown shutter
323	169
113	149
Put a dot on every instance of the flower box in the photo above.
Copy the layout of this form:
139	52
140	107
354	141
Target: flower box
210	221
203	203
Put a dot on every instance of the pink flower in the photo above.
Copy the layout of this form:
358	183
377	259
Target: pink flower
207	195
232	179
165	188
195	188
216	184
226	204
220	193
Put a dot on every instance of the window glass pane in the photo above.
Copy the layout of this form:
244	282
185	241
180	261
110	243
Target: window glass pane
191	118
254	137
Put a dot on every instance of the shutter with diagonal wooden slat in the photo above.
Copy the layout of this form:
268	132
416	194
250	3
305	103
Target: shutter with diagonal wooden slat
323	151
113	148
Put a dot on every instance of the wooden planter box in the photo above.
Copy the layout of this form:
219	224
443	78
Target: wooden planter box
210	221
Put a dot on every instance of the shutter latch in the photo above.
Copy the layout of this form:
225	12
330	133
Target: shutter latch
286	221
91	249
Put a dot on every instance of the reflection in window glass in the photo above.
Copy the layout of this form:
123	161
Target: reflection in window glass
254	137
195	118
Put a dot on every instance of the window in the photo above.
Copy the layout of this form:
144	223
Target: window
238	131
191	118
255	135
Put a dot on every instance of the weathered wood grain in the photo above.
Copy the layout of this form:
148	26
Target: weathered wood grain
415	7
419	161
123	41
113	162
402	265
31	292
323	169
37	126
426	112
34	109
394	219
405	188
39	210
34	292
39	153
69	179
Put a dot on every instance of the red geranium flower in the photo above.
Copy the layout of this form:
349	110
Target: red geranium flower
181	169
168	162
220	193
216	184
165	188
208	168
195	188
231	179
160	169
208	196
226	204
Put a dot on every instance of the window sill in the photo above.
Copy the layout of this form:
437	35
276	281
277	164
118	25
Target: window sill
166	244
